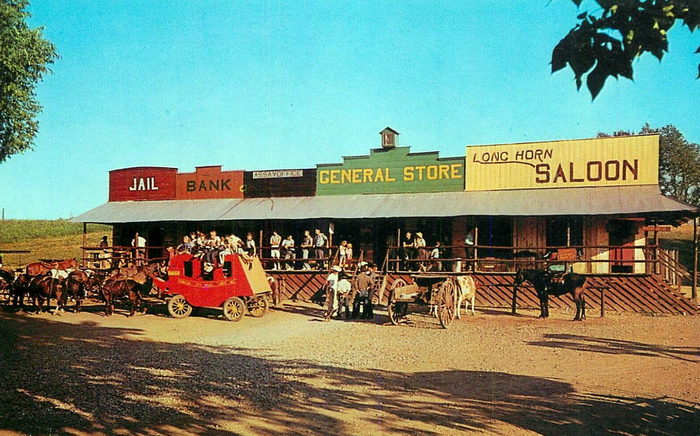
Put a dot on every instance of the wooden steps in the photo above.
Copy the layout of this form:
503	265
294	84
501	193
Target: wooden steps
623	293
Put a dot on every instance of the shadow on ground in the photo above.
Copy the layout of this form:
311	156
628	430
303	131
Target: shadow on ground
66	378
617	346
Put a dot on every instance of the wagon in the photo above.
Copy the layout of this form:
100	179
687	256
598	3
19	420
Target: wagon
424	290
239	284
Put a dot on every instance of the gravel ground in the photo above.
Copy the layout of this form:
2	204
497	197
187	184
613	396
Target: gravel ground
290	373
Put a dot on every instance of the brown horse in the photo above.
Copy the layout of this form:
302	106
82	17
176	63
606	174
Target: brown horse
6	279
43	288
38	268
542	280
75	286
113	289
131	283
94	283
19	288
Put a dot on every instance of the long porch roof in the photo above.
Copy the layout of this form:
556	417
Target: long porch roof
620	200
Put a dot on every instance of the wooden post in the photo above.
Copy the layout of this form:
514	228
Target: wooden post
694	291
398	251
260	253
82	260
602	302
476	244
657	268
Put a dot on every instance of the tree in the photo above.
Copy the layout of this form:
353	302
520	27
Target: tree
24	56
605	42
679	163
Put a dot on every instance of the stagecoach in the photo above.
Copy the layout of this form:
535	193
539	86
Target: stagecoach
237	285
431	290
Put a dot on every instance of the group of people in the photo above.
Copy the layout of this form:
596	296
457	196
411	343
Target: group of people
284	252
349	295
415	254
314	248
212	248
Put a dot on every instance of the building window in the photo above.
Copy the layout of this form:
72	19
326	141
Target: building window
495	232
564	232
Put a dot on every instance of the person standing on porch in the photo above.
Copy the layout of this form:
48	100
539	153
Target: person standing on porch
470	252
407	248
289	252
275	241
419	244
250	245
104	254
320	244
342	253
436	254
139	244
306	245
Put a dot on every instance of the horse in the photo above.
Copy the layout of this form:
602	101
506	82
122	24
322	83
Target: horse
94	283
45	287
39	268
6	279
75	286
571	283
120	288
18	289
137	281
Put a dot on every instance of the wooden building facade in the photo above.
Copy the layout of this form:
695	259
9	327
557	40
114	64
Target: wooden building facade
594	203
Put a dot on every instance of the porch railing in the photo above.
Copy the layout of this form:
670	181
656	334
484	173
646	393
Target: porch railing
118	255
481	258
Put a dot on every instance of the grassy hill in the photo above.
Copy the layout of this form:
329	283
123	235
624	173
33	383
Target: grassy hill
46	239
12	231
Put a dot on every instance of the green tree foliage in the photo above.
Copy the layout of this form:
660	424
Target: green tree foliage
679	163
606	41
24	56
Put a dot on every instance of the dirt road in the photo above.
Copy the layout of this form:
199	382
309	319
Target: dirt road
289	373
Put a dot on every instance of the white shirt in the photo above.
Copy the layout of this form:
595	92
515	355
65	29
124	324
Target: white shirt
275	241
141	242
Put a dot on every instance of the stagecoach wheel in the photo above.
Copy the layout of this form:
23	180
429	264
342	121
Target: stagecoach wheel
447	303
178	307
258	306
234	309
397	312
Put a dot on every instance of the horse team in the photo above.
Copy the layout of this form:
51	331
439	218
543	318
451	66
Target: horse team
63	281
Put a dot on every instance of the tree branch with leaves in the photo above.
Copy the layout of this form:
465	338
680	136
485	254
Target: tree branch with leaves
607	40
24	56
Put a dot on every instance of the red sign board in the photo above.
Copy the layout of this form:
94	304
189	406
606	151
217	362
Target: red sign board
142	183
209	182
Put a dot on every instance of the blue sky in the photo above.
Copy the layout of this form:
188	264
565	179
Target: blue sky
273	84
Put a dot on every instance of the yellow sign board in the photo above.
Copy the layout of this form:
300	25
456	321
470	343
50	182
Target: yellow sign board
629	160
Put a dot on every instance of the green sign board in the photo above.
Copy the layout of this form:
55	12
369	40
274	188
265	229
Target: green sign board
388	171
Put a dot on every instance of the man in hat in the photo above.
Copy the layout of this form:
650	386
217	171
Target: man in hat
368	312
332	291
362	286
